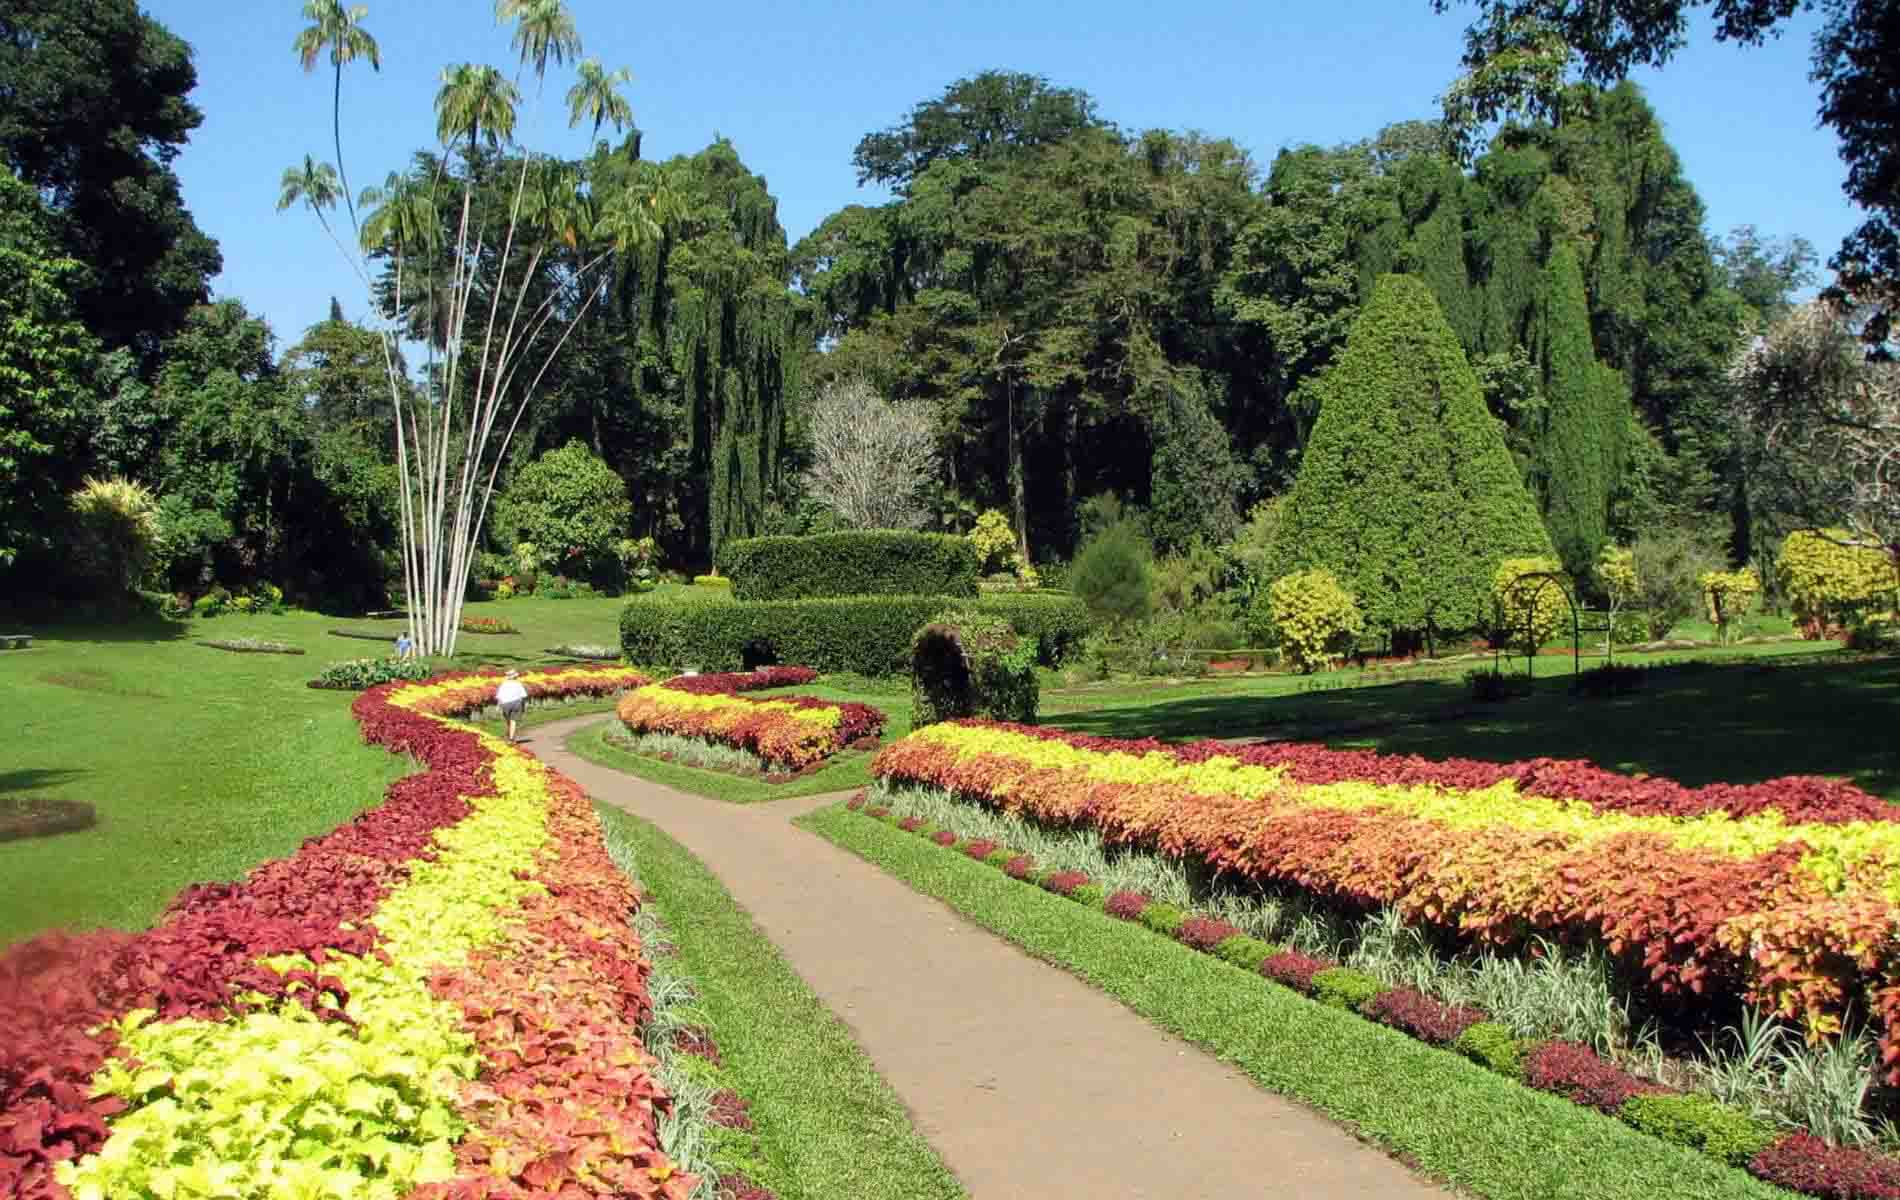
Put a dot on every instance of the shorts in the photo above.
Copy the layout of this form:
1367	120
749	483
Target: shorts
513	708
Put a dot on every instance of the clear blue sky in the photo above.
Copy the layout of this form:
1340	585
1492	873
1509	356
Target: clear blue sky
795	85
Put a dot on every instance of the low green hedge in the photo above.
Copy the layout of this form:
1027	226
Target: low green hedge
870	635
859	562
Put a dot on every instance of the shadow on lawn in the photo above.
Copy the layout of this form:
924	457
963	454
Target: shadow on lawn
146	629
1738	722
30	779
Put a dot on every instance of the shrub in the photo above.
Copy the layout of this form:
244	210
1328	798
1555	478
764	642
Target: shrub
1092	894
1804	1163
966	664
1827	581
863	562
1020	867
1668	563
360	673
1205	933
571	504
1110	574
1424	1017
1727	595
1164	919
1294	969
1064	883
1610	679
1529	612
980	848
869	635
1874	632
1343	987
992	540
1247	953
1058	623
1577	1073
1125	905
1492	1045
486	625
116	534
1317	620
1487	685
716	582
944	837
1701	1123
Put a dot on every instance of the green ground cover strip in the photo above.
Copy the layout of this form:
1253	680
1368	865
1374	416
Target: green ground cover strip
829	1122
843	772
1458	1122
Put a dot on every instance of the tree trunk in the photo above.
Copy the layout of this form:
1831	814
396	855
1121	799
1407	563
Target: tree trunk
1020	514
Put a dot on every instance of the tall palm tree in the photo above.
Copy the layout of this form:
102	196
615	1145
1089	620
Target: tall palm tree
314	183
596	94
475	102
340	30
544	29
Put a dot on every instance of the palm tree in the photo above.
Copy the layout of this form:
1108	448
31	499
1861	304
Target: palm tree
597	94
544	29
314	183
341	31
476	102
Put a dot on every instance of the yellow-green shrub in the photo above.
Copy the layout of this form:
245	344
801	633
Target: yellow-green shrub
1826	580
1318	620
992	539
1531	612
1728	595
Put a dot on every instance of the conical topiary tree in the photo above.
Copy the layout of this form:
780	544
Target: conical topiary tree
1406	491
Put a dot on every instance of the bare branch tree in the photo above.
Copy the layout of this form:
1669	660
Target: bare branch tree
870	457
1819	422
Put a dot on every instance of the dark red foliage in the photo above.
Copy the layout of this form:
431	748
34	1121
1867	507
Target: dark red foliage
1798	797
742	681
943	837
1019	867
1422	1016
982	848
1064	882
1294	969
696	1041
1205	933
737	1187
730	1109
911	824
1804	1163
1125	904
857	800
877	810
1577	1073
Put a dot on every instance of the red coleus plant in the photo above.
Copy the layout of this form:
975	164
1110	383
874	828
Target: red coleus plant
1294	969
1125	904
1205	933
1424	1017
742	681
1578	1073
1804	1163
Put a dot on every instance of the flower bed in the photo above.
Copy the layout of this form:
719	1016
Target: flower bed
486	625
792	731
439	998
1782	892
1797	1161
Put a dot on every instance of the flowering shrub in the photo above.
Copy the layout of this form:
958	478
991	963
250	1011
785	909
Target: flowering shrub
1725	890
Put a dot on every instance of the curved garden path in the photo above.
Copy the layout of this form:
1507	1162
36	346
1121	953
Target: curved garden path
1026	1081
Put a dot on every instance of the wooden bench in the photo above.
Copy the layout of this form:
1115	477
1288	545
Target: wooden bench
16	641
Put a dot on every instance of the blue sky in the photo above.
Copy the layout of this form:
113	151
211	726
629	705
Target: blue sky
795	85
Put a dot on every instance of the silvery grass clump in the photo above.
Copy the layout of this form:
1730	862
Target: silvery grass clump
691	751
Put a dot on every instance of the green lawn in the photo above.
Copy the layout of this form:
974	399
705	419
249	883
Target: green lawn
1487	1135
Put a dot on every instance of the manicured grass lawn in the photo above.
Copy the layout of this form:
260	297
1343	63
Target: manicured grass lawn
829	1123
200	763
845	770
1484	1134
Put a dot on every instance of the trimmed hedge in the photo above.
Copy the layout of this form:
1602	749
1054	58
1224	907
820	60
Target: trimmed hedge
870	635
860	562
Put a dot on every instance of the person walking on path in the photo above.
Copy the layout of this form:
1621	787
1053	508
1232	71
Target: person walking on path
512	697
405	648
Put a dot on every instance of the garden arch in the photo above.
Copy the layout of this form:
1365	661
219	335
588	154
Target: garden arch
1524	592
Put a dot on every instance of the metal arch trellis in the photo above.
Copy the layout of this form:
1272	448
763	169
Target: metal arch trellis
1524	592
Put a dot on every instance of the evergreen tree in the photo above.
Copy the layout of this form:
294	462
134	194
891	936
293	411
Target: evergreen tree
1578	451
1406	491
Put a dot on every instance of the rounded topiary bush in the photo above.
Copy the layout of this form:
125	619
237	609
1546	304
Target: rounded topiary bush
964	664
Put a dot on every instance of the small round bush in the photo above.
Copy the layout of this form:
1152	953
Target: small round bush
1317	620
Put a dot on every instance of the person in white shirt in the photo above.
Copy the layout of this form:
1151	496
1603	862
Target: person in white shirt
512	697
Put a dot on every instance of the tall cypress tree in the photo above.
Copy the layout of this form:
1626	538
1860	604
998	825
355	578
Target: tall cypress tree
1406	491
1578	450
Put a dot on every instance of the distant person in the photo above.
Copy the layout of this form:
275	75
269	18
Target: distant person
512	697
405	645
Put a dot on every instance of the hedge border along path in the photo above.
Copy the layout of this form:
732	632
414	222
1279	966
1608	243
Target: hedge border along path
440	935
1797	1161
1485	1134
1024	1079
